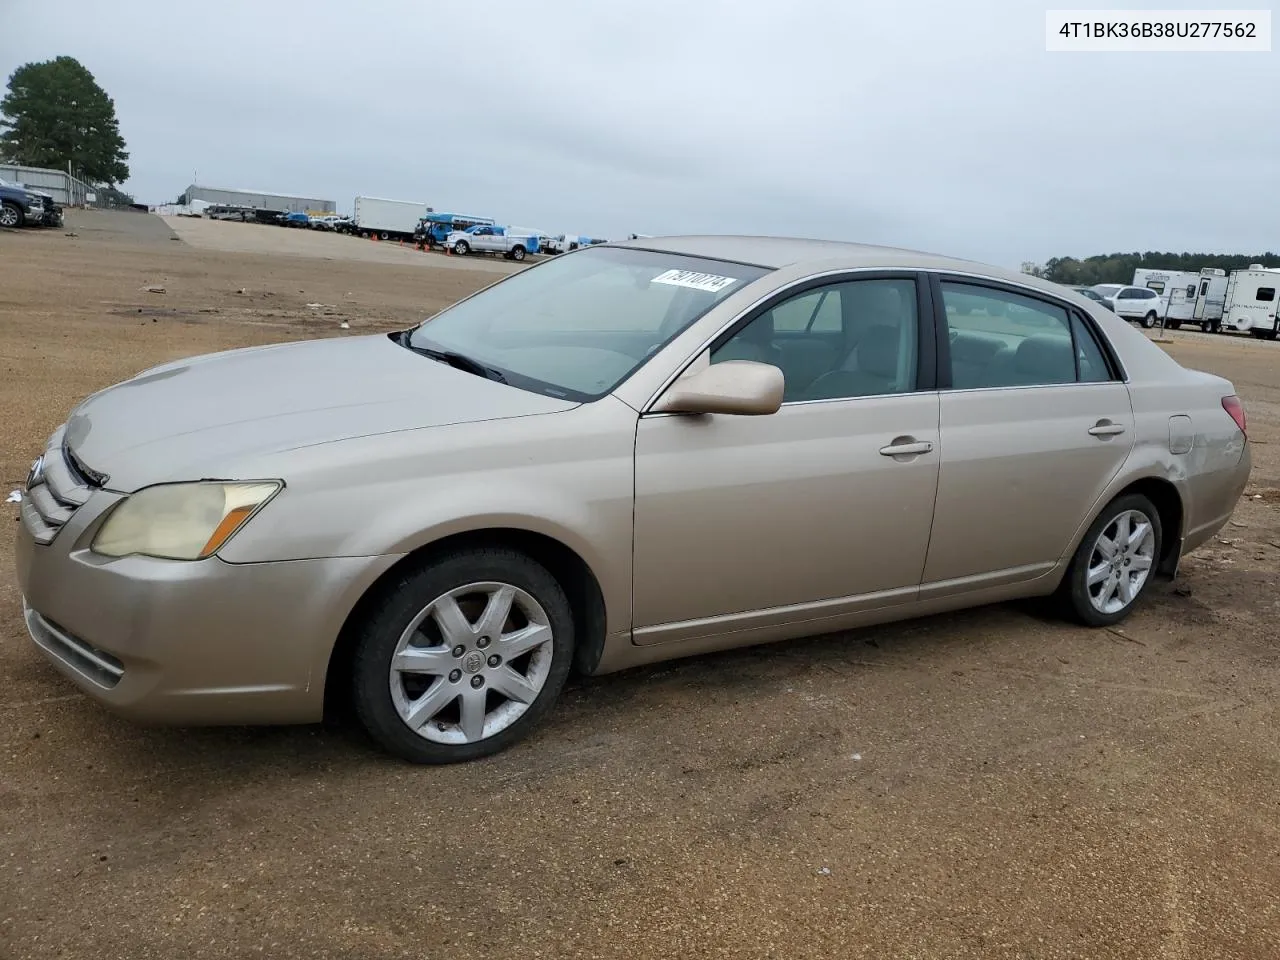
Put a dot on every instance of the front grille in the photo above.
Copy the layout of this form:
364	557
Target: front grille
53	499
87	660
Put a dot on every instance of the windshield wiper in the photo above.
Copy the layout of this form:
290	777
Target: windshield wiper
459	361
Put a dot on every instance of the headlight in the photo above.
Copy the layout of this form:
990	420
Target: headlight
181	521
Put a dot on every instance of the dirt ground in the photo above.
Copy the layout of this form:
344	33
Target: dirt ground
991	784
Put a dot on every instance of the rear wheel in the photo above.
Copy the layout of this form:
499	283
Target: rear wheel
1149	320
463	656
517	252
1172	324
1265	334
1114	563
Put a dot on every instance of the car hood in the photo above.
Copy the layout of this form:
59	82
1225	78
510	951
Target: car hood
194	418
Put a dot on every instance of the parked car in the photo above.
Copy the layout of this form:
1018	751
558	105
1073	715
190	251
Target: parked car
487	238
577	467
1093	295
19	206
1132	303
293	220
326	222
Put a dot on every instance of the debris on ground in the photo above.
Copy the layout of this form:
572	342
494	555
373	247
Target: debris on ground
155	288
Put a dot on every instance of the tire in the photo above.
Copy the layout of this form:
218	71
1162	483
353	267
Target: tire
383	235
1264	334
462	248
412	607
1173	324
11	215
517	253
1102	603
1149	321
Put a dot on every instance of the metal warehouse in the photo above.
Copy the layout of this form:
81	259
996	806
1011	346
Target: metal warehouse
257	199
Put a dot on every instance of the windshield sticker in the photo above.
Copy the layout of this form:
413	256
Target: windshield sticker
708	282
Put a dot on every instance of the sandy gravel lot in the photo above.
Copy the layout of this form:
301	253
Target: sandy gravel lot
991	784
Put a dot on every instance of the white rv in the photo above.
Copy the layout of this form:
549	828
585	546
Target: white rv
1251	301
1177	290
1210	297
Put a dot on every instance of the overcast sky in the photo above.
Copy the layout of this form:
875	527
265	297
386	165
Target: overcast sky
934	125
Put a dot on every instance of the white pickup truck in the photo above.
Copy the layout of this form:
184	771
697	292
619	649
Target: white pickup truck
483	238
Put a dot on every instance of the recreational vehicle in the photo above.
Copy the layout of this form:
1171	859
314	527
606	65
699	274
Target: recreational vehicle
1177	291
1251	301
1210	296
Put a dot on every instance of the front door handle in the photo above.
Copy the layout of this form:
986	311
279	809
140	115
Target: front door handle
1105	428
906	448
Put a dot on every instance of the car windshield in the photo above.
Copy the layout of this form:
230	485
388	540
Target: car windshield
1108	289
579	325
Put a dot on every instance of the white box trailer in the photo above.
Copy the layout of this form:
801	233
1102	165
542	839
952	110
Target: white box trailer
1177	290
387	219
1210	297
1251	301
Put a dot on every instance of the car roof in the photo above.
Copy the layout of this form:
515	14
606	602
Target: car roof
778	252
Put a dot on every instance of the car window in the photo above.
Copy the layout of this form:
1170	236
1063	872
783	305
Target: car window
1090	362
1148	294
1003	339
1266	294
1204	287
838	341
817	311
578	325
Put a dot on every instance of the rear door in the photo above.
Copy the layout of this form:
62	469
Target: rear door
1035	421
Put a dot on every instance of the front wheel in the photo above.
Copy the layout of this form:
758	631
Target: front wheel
10	215
1114	562
461	248
1149	321
462	657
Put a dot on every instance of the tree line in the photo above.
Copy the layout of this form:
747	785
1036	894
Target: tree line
1119	267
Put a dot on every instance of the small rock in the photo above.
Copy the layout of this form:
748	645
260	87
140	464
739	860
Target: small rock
824	871
856	756
155	289
344	325
71	234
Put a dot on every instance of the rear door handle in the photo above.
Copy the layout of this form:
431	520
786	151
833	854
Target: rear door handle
1105	428
906	449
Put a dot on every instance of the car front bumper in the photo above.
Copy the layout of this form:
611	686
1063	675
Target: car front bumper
204	642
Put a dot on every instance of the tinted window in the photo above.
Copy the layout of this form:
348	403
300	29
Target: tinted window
1191	291
1204	287
1266	294
842	340
1000	339
1090	362
1128	294
1147	294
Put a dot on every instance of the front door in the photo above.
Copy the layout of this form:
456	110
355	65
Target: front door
1036	425
829	499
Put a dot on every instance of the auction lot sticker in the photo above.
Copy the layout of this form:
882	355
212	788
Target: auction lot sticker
708	282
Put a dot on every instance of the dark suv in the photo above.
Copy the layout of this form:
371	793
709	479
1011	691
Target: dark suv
20	206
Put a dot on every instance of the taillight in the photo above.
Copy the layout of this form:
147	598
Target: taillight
1234	407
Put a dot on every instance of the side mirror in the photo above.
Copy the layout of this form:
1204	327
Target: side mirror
741	387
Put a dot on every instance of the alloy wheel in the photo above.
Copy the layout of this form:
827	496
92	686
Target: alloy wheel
1120	562
471	663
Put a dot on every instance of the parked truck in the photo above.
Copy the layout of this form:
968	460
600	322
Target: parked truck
488	238
387	219
434	229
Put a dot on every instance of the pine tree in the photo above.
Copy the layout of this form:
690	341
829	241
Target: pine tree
55	113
